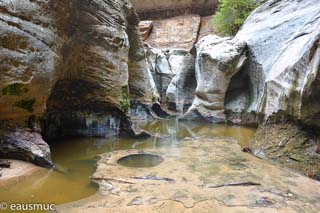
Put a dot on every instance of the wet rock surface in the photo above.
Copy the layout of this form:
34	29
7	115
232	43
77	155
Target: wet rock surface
25	144
201	174
290	145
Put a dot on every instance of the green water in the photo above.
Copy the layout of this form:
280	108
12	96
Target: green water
140	160
76	159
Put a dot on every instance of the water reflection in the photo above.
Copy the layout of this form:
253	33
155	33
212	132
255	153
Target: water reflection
76	159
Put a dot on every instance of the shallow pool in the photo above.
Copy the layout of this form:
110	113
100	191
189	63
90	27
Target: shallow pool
75	159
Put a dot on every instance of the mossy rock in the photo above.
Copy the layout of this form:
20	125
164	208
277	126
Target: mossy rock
16	89
26	104
125	102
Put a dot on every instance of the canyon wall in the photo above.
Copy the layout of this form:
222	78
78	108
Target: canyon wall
153	9
66	65
283	40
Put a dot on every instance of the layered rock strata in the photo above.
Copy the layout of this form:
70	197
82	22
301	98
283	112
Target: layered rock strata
28	55
150	9
77	65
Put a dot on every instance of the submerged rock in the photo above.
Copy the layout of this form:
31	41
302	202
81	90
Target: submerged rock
218	60
199	175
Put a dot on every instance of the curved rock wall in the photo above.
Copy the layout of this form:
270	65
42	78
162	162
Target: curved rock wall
71	60
218	60
283	40
29	58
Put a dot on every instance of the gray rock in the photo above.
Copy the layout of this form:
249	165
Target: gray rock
174	75
218	60
180	92
25	145
284	56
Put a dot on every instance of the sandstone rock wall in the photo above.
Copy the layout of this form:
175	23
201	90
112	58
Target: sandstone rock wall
29	59
153	9
71	60
283	40
104	70
28	56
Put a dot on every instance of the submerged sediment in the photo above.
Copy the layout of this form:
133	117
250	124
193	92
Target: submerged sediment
200	174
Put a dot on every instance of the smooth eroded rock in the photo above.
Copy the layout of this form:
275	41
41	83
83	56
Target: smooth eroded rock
284	57
218	60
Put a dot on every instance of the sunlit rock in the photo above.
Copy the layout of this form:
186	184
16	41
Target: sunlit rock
145	28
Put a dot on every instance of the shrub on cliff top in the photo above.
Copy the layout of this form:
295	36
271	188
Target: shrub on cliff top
231	14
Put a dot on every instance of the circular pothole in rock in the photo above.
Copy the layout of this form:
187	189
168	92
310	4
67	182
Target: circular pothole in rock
140	160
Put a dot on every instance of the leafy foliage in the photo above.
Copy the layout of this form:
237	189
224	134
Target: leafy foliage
26	104
231	15
125	102
15	89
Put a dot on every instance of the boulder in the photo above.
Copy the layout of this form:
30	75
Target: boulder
283	73
218	60
24	144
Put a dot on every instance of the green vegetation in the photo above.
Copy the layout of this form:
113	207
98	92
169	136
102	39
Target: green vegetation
231	15
16	89
125	102
26	104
